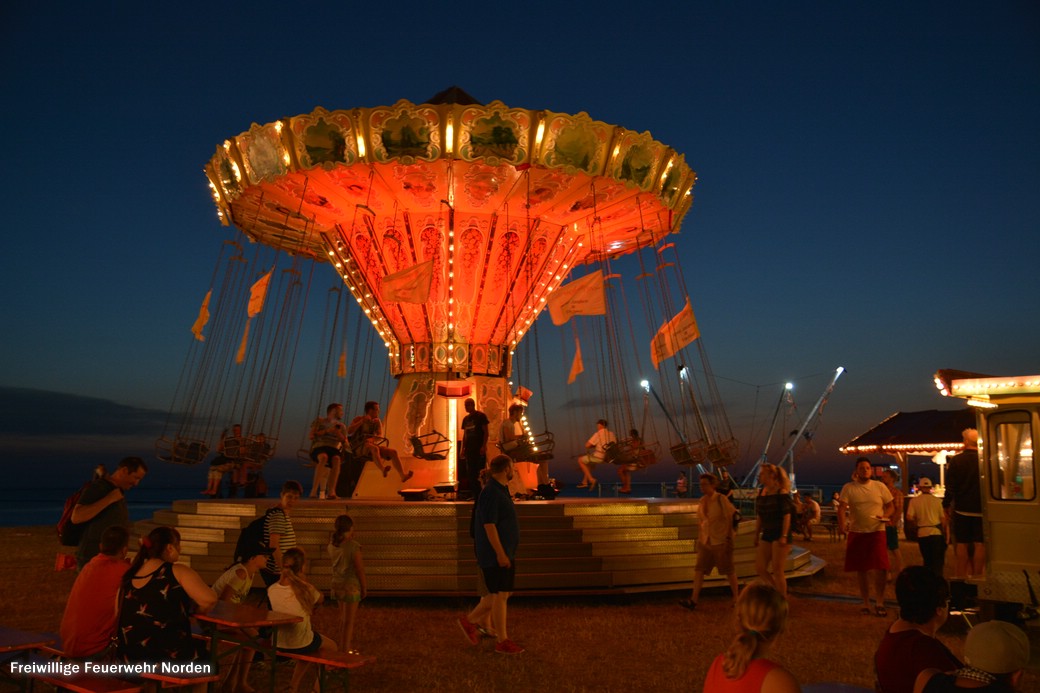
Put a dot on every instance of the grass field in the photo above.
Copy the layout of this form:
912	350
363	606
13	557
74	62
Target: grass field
618	643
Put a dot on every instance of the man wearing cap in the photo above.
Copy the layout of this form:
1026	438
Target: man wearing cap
926	512
995	652
597	453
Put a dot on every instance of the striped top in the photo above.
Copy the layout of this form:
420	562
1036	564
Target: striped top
278	523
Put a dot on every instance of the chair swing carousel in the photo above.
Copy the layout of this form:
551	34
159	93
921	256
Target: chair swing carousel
451	223
694	437
230	398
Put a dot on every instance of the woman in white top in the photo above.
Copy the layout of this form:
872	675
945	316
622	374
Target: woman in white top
233	586
294	595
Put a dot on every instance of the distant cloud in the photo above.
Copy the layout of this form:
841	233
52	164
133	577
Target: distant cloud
36	420
40	412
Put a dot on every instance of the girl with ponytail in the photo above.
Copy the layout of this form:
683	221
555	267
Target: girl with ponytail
760	614
294	595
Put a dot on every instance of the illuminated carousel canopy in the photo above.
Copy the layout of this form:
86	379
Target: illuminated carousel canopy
914	433
450	222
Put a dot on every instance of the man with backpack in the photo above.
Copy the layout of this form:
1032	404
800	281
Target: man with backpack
714	540
103	505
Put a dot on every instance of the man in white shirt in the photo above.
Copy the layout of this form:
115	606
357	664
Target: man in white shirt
926	512
596	447
869	505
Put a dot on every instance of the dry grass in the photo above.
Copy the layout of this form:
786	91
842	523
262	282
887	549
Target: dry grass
623	643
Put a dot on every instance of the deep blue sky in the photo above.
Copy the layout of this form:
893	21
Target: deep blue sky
869	176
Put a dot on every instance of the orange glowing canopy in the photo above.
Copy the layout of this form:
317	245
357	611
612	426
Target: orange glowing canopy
492	206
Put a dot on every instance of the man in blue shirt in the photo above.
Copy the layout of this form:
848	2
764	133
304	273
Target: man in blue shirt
495	542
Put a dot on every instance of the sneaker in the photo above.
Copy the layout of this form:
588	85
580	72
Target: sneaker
508	647
469	630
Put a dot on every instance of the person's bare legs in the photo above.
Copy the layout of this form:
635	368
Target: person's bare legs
321	474
348	612
336	461
960	561
864	587
299	671
778	558
482	610
978	561
543	473
880	581
586	471
626	478
395	461
498	614
762	554
733	586
698	581
895	563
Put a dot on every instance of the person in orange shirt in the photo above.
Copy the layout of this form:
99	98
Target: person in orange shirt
91	613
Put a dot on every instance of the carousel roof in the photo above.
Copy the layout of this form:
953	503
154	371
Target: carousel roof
478	211
914	432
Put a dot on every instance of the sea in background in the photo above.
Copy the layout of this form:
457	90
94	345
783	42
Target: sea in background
36	496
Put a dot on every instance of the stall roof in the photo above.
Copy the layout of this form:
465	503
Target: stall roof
914	433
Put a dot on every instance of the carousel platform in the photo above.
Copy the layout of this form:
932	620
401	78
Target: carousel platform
567	546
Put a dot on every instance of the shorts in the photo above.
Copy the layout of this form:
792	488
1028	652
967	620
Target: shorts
499	579
592	460
217	471
865	551
314	646
771	535
345	590
326	450
967	529
718	556
891	538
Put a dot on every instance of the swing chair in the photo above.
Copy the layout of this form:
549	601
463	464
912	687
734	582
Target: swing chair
704	440
239	364
337	380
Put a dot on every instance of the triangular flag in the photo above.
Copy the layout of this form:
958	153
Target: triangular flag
241	355
585	296
341	372
673	336
200	322
257	294
410	285
577	367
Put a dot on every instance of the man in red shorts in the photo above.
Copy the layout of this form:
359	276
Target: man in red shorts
869	505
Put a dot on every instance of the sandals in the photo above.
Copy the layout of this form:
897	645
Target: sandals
386	470
865	611
688	604
407	476
880	611
582	485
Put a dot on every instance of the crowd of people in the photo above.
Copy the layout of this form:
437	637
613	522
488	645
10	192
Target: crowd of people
141	610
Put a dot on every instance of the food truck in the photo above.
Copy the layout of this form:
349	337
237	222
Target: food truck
1008	420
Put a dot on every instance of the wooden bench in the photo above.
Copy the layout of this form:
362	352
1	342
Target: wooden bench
331	663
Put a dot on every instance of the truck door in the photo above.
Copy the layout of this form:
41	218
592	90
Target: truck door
1011	511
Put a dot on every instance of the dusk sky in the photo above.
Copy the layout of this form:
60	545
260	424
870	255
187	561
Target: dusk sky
867	196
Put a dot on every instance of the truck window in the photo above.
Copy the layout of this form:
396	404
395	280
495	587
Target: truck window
1009	456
